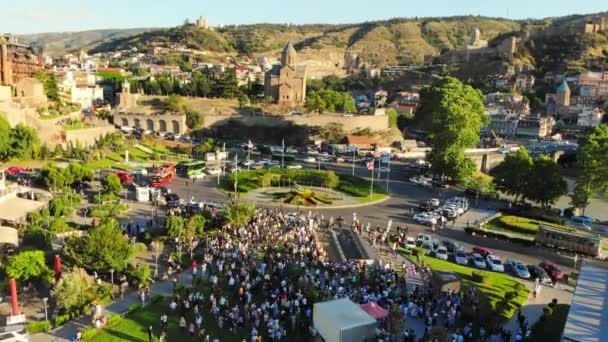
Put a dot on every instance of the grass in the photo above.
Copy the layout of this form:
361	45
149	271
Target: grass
520	225
550	329
493	289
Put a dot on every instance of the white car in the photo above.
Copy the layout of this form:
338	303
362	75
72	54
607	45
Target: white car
494	263
294	166
291	150
325	154
248	162
276	149
313	152
424	238
199	175
479	261
434	202
265	161
461	257
410	243
384	170
441	253
415	180
14	333
273	163
214	171
310	160
428	248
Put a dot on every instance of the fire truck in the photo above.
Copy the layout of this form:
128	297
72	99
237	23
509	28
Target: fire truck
162	175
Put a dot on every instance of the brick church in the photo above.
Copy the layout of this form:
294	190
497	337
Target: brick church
286	82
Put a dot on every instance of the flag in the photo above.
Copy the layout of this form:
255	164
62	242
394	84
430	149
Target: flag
249	144
370	165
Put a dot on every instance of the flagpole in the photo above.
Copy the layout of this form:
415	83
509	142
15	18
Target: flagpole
354	156
283	154
388	172
371	189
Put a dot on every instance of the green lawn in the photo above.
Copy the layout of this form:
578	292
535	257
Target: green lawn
356	187
519	225
76	125
494	287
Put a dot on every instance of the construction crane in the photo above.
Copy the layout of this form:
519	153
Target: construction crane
497	140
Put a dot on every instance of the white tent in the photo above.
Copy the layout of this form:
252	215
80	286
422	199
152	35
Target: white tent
341	320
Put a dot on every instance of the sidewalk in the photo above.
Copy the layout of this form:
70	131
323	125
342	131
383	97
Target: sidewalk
119	306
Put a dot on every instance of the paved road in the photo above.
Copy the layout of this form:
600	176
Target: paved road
404	199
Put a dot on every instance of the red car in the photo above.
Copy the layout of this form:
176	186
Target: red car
552	269
14	170
482	251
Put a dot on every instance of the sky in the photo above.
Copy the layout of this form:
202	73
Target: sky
33	16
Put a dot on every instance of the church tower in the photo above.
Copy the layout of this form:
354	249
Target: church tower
289	56
563	94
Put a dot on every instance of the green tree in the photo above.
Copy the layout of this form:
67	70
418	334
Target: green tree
175	227
315	103
513	174
392	117
228	85
592	159
5	138
142	275
453	114
238	214
193	229
24	142
193	119
111	184
53	177
49	83
546	182
102	249
174	102
27	266
72	289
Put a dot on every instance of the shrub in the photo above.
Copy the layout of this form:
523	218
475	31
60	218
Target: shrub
88	333
37	327
135	307
105	198
113	320
62	319
138	248
158	298
478	277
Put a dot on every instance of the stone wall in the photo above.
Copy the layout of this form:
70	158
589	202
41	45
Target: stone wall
350	123
86	136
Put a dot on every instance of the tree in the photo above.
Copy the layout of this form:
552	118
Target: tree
142	276
392	117
175	227
453	114
174	102
5	138
546	182
72	289
49	83
194	227
111	184
592	158
28	265
193	119
24	142
513	174
238	214
102	249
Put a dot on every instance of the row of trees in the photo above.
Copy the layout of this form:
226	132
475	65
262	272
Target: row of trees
324	100
56	178
539	180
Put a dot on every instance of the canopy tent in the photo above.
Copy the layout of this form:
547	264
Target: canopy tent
341	320
375	310
9	235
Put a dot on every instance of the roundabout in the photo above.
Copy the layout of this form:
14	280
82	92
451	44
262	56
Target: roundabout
313	189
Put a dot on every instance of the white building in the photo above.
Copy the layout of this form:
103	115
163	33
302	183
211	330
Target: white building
590	117
81	88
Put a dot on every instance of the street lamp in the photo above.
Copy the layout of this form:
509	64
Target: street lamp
112	277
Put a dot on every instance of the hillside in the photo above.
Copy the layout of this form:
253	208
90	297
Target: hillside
57	43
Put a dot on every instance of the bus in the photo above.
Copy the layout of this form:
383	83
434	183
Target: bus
190	169
162	175
573	240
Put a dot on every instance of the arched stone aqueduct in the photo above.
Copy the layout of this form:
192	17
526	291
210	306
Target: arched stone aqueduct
173	123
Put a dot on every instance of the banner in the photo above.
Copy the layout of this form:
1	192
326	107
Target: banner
370	165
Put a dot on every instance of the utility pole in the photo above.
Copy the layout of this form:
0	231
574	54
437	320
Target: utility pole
354	156
371	189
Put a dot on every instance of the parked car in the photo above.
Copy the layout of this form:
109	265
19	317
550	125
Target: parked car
460	257
294	166
541	274
441	253
494	263
424	238
415	180
273	163
484	252
434	202
14	170
257	166
248	162
479	261
428	248
552	270
291	150
310	160
452	247
517	268
410	243
582	219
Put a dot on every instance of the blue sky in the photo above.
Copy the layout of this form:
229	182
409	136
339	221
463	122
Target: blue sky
30	16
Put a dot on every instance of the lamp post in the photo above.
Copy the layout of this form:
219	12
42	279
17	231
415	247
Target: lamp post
46	314
354	156
112	278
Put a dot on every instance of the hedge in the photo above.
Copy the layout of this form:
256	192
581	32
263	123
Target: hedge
478	277
62	319
38	327
498	235
135	307
418	251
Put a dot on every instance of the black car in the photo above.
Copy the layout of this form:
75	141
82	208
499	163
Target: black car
538	272
450	246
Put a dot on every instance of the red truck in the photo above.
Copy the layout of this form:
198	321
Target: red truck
125	177
162	175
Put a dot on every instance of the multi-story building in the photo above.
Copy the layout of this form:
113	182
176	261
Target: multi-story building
535	127
80	87
504	124
18	61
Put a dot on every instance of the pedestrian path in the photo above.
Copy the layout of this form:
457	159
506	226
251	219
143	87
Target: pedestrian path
119	306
